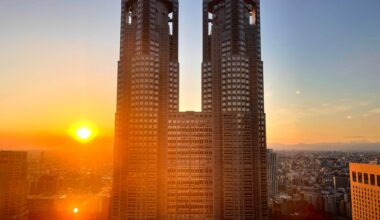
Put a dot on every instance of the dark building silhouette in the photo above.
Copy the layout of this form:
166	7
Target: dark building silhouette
272	173
341	182
13	185
190	165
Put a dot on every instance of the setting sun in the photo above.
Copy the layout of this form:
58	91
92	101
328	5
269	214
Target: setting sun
83	131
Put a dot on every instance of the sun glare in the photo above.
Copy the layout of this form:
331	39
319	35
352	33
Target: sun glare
75	210
83	131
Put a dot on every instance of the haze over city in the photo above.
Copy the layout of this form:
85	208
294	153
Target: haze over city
58	65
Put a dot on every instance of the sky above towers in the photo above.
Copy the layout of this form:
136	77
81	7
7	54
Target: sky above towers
321	67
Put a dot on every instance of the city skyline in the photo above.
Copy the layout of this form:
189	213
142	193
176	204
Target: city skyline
338	92
189	109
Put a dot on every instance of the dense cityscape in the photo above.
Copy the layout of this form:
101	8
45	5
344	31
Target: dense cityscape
306	185
315	184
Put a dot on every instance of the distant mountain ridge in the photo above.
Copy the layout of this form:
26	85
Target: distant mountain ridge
352	146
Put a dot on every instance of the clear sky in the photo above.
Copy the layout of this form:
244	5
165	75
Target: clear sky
58	66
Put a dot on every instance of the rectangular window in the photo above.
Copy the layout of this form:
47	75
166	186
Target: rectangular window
360	177
365	178
372	178
378	180
354	176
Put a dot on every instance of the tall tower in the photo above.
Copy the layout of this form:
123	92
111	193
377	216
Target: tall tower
147	92
195	165
272	173
232	90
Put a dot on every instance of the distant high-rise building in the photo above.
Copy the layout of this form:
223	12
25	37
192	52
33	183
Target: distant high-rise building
272	173
331	204
341	182
365	191
13	185
347	200
207	165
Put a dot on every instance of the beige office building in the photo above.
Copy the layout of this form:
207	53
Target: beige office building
365	191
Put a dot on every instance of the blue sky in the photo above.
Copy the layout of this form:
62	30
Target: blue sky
321	64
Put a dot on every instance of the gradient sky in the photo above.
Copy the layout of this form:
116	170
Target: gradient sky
58	66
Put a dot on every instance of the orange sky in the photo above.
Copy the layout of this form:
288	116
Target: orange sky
60	68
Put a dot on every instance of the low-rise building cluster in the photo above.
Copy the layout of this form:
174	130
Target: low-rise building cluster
315	185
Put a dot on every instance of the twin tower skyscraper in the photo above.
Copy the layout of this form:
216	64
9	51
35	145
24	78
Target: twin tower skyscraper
190	165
